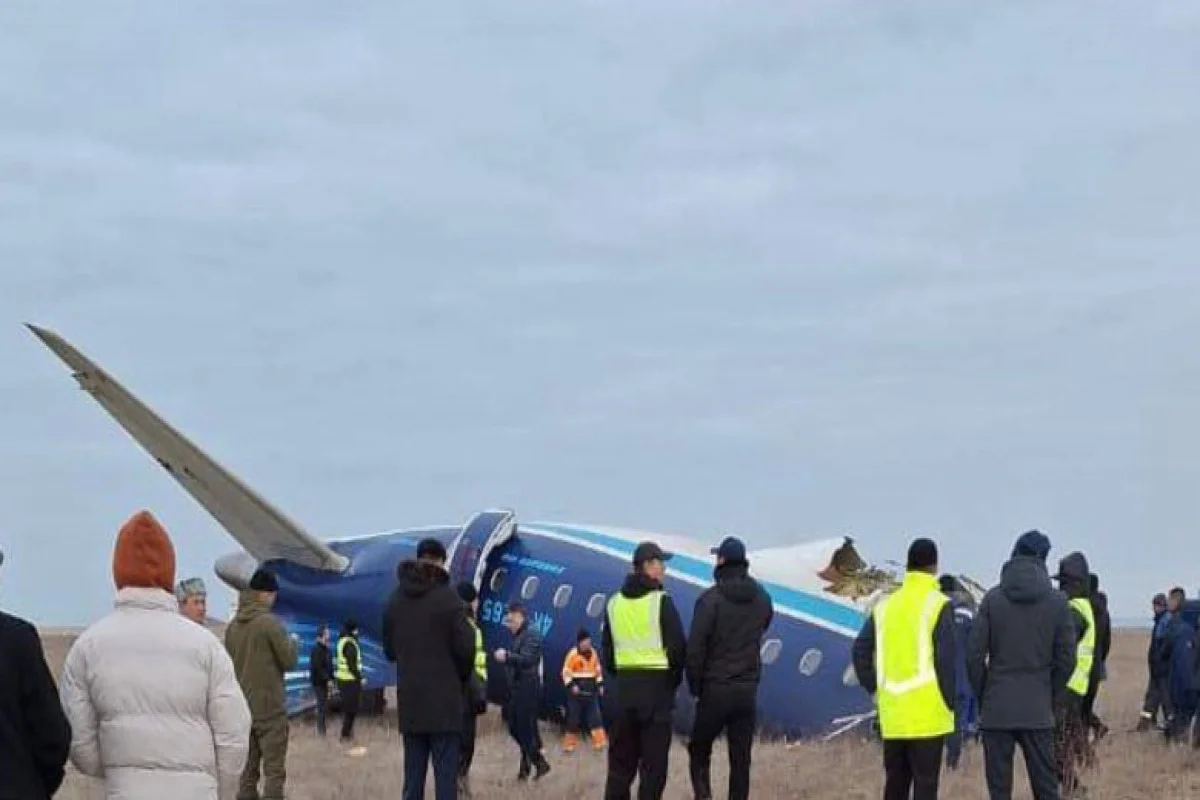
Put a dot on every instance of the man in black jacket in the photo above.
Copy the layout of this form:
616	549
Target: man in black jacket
522	667
320	675
1020	655
35	737
427	634
641	737
723	668
1158	694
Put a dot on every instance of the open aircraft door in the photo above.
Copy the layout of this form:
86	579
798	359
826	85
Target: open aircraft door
482	534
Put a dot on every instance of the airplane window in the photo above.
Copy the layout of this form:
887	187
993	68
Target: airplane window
770	650
562	596
595	606
498	579
529	587
849	677
810	662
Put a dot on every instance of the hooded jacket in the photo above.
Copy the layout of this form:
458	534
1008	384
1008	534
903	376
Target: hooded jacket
262	654
35	738
728	624
427	634
649	692
1103	635
1021	651
154	705
1159	666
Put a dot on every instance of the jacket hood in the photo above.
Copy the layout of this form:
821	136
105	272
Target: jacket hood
418	578
147	599
735	584
1024	579
249	606
638	585
1073	575
1100	602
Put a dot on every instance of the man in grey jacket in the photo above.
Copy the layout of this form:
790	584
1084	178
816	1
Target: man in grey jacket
1019	657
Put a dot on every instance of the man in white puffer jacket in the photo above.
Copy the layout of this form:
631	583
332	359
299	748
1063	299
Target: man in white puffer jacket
156	711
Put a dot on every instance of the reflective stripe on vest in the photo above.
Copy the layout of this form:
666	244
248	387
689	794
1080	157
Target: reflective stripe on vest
636	631
1085	649
910	700
480	654
343	673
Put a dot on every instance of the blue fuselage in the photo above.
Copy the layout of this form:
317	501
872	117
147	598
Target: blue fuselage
564	574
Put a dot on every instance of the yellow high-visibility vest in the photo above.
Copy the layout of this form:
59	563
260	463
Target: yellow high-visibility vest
1085	648
909	699
342	672
480	655
637	632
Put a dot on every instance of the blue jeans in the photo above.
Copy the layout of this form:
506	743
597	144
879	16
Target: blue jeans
440	748
964	725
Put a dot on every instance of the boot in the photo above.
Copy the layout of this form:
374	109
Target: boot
599	739
523	772
541	767
701	784
570	742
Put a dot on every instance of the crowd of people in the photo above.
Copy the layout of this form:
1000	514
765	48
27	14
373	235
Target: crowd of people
154	705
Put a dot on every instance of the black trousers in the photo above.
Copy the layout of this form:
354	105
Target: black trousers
350	692
467	751
999	748
419	750
1158	697
912	768
638	748
322	694
521	716
731	711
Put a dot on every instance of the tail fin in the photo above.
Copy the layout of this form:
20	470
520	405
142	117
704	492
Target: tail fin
263	530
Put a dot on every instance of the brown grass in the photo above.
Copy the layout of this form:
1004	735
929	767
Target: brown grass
1132	766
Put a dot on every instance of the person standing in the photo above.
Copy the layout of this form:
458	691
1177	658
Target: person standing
523	669
427	635
645	648
904	655
320	676
154	705
1071	744
262	654
476	693
1180	647
964	700
35	737
1020	655
349	676
583	679
724	666
193	600
1092	725
1158	693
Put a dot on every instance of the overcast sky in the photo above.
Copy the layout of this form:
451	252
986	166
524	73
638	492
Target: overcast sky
788	270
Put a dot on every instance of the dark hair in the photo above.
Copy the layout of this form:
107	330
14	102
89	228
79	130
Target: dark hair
350	625
431	550
1179	592
322	630
517	608
922	554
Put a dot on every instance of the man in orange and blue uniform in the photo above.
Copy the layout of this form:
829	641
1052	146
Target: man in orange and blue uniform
583	679
904	655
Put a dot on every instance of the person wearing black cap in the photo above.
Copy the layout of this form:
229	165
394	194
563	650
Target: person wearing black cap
1071	747
349	676
646	652
723	668
583	678
1158	690
1092	723
35	736
904	655
1020	654
262	654
427	635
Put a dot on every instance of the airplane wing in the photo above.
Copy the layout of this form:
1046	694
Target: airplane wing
263	530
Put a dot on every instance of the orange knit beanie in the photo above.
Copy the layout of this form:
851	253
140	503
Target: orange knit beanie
144	556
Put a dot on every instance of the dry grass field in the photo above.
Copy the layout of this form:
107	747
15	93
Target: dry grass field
1132	766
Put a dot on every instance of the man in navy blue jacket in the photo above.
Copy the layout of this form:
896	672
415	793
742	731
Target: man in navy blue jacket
962	606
